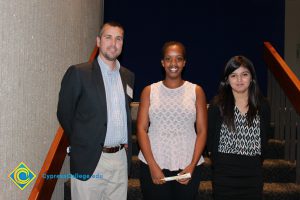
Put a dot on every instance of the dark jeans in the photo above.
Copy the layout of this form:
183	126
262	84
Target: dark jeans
171	190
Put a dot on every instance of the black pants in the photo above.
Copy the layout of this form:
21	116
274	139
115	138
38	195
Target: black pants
221	192
171	190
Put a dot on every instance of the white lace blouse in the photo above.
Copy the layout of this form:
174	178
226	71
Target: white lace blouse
172	135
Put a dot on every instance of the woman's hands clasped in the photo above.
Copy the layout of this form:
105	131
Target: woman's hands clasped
157	175
189	169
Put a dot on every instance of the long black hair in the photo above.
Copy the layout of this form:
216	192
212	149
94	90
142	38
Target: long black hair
225	99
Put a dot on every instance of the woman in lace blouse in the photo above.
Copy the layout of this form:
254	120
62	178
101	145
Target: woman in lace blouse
238	121
171	131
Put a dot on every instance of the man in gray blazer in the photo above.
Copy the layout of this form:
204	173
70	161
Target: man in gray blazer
93	109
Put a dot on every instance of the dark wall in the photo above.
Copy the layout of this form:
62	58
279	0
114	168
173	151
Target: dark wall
212	31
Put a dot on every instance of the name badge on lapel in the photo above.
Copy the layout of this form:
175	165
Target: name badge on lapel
129	91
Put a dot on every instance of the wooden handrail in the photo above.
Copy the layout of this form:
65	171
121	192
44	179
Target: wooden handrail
286	78
43	188
94	54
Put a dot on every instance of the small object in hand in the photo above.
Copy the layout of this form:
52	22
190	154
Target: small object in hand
172	178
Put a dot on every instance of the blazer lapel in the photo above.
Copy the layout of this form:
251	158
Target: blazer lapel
124	82
98	80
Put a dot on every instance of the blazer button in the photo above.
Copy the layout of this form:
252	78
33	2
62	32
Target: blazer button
105	124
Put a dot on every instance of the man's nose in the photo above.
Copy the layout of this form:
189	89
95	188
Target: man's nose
114	41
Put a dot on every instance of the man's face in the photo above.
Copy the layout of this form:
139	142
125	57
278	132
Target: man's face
110	43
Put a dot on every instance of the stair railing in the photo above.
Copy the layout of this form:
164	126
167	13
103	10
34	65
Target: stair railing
43	189
284	96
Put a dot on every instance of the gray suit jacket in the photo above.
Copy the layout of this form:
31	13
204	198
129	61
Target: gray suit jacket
82	113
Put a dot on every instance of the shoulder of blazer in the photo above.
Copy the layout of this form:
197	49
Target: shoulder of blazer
82	67
126	71
127	75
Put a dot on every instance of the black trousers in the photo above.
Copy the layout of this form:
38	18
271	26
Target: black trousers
221	192
171	190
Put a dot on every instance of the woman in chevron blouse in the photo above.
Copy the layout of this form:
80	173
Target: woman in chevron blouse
238	121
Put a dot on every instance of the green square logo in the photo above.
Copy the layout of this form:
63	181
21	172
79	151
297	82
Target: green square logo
22	176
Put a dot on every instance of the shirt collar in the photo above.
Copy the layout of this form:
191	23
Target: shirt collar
105	68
